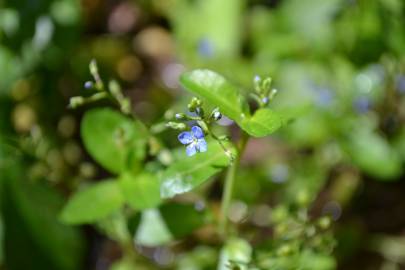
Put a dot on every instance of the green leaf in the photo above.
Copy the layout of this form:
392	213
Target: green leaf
93	203
31	227
266	121
217	91
313	261
113	140
1	238
182	219
373	154
187	174
236	252
262	123
141	191
152	230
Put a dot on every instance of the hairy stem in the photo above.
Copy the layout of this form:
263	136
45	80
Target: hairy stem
228	188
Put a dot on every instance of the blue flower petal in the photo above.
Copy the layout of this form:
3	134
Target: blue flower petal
191	149
197	132
201	145
186	137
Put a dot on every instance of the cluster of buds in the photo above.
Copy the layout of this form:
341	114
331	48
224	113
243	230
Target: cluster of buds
200	122
197	114
264	93
113	91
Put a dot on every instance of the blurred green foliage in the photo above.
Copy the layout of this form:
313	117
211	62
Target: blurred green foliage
338	66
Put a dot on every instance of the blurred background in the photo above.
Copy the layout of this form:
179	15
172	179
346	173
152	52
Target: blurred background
344	158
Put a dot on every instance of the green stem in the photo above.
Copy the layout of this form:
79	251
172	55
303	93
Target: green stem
228	188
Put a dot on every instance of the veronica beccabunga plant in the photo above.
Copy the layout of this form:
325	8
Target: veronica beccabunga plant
146	175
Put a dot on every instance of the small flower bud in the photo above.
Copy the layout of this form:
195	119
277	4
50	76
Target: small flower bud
266	84
191	108
199	111
93	68
115	89
88	85
273	93
256	83
303	198
265	100
175	125
324	222
180	116
126	106
216	115
76	102
194	104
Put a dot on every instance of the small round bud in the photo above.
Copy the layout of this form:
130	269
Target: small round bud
303	198
180	116
216	115
265	100
256	79
88	85
324	222
76	101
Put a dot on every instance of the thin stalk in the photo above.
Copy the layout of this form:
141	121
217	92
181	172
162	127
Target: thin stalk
228	188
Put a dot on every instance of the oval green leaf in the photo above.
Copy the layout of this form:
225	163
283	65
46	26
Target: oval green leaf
187	174
141	191
93	203
262	123
113	140
217	91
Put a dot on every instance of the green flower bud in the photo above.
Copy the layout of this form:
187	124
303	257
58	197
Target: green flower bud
303	198
324	222
266	84
180	116
216	115
75	102
194	104
93	68
176	125
200	111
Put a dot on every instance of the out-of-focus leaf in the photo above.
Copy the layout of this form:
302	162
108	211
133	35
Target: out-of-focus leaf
32	229
202	257
93	203
124	264
218	37
316	261
236	252
373	154
181	219
152	230
141	191
188	174
113	140
1	238
217	91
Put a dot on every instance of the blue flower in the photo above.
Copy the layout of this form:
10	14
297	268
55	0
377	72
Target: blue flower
194	139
